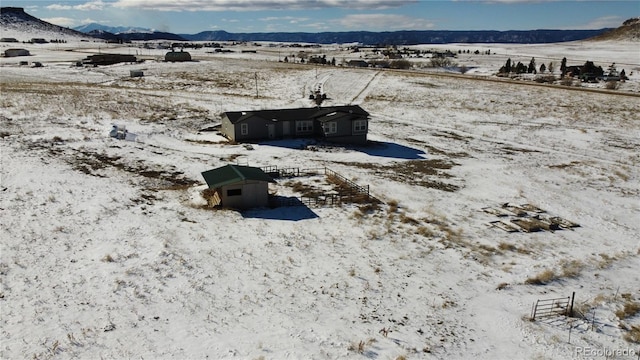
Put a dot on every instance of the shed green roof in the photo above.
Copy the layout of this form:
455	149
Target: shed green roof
230	174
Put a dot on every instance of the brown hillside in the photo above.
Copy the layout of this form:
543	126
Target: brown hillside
629	31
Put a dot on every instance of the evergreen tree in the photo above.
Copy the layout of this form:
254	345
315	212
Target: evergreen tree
563	67
507	66
542	68
532	66
551	67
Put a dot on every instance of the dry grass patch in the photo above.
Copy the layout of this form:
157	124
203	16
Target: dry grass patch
633	335
571	269
426	173
630	309
361	346
542	278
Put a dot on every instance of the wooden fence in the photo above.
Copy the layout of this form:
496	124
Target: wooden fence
553	307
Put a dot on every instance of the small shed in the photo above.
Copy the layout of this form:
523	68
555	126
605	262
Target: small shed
136	73
177	56
16	52
238	187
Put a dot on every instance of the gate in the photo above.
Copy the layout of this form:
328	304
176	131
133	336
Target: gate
553	307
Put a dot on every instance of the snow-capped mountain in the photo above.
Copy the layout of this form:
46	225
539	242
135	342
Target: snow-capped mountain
87	28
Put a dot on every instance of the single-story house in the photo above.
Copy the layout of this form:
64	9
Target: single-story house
342	124
16	52
108	59
177	56
238	187
357	63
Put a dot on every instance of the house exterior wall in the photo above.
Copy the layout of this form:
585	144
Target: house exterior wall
252	194
345	132
258	128
227	128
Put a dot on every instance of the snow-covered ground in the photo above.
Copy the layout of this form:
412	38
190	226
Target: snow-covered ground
107	251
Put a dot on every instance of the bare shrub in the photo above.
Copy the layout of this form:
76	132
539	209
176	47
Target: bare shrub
360	346
567	81
393	205
611	85
441	62
545	79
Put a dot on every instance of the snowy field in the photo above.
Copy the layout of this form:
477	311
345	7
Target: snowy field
107	250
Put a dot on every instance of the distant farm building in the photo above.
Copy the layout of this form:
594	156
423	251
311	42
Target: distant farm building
357	63
177	56
8	40
108	59
39	41
341	124
16	52
136	73
238	187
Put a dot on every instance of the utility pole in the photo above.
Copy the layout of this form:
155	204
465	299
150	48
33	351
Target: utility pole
256	75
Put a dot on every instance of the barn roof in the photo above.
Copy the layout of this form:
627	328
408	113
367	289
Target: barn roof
294	114
230	174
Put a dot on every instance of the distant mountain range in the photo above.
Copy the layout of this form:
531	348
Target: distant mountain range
87	28
12	17
363	37
405	37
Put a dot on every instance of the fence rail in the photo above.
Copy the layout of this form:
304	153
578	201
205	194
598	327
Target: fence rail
349	192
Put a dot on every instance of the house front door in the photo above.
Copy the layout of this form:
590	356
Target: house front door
271	130
286	128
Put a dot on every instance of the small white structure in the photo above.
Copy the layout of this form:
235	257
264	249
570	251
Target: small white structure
120	132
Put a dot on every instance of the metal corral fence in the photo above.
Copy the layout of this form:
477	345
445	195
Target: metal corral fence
349	191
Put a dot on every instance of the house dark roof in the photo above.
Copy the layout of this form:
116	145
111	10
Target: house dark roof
230	174
295	114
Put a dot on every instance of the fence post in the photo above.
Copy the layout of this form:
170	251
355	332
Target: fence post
573	295
535	309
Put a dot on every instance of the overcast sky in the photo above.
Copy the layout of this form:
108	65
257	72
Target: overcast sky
193	16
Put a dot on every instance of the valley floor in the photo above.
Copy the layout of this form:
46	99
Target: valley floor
108	251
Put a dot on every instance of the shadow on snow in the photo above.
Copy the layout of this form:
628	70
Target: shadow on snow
372	148
290	209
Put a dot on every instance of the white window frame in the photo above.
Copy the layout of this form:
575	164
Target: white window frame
304	126
244	129
331	127
359	126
